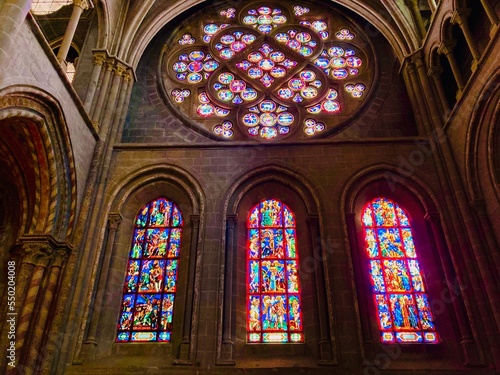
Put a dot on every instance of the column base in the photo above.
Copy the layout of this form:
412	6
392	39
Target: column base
226	354
471	354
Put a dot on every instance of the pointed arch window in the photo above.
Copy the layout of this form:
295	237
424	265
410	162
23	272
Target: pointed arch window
399	291
150	284
274	308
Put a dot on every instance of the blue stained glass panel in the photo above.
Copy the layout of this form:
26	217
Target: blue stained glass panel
146	312
390	243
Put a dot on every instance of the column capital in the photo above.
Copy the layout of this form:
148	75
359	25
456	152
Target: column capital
477	204
40	250
417	59
100	57
459	16
432	217
232	219
84	4
114	219
446	47
435	71
312	218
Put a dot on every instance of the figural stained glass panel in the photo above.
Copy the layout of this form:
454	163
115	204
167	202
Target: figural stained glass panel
267	71
403	311
274	308
151	280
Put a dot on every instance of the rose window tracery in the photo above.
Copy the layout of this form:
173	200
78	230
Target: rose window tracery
267	71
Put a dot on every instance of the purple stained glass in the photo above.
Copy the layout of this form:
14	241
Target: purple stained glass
151	271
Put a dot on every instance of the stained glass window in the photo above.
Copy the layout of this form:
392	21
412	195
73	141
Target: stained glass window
399	292
274	306
151	280
267	71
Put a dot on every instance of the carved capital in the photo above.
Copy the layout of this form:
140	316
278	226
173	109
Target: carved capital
195	220
41	251
38	253
84	4
231	221
110	64
312	219
435	72
459	16
119	69
59	258
477	204
128	76
446	47
417	59
432	217
99	58
114	219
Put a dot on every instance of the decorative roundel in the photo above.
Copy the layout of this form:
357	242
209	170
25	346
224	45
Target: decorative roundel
267	71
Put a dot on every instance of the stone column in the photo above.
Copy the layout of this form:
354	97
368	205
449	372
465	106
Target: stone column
435	73
35	254
417	17
325	344
460	18
185	347
35	354
226	355
12	16
490	12
97	109
470	349
368	348
99	62
446	48
419	94
114	220
432	5
78	7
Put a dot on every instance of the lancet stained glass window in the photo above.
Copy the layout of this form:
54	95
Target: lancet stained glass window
151	280
399	292
267	70
274	307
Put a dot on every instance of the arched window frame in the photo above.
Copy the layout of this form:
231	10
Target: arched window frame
395	274
167	229
272	253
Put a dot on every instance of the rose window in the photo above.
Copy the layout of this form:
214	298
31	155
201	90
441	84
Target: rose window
267	71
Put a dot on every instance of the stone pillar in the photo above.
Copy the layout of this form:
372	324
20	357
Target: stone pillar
78	7
368	348
478	206
114	220
326	351
490	12
417	17
432	5
226	355
420	104
435	73
446	48
99	62
185	347
97	109
470	350
460	18
38	254
36	353
12	16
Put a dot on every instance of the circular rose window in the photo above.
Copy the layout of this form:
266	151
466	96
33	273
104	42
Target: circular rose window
267	71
